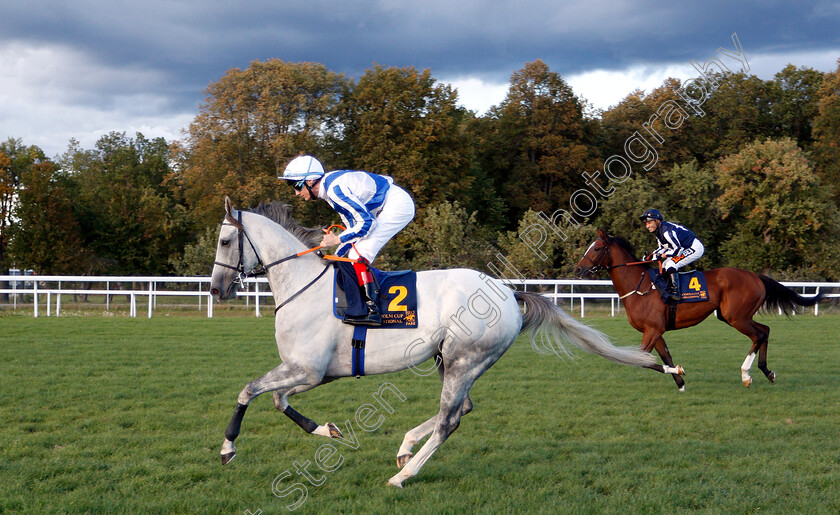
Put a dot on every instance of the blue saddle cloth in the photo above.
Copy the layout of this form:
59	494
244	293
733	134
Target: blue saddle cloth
397	296
693	286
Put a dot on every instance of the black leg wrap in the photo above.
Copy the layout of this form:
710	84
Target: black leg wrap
232	430
306	424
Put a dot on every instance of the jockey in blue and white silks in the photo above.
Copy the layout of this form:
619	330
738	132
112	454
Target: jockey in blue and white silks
372	208
677	244
360	199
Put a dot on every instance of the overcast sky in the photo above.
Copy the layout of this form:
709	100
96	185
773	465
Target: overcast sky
83	68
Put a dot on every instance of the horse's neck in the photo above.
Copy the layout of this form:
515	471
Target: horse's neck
272	242
626	278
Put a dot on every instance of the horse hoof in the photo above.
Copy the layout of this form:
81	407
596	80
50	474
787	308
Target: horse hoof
395	482
334	431
402	460
682	388
680	370
772	377
227	458
748	382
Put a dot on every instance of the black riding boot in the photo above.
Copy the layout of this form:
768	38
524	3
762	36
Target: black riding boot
369	297
673	288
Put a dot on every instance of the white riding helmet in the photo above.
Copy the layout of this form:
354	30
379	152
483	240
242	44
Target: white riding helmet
303	168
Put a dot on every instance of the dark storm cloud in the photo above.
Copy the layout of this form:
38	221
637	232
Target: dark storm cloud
197	42
167	52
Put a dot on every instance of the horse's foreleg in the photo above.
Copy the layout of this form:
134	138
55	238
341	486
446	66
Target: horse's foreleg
651	340
676	371
281	402
285	376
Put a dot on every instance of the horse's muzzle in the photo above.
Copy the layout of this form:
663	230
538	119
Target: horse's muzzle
219	292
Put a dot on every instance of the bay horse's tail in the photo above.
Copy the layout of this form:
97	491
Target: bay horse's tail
779	296
556	328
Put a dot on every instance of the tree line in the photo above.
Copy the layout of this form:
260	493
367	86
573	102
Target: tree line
756	176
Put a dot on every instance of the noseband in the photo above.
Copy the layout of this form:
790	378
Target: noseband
258	270
597	267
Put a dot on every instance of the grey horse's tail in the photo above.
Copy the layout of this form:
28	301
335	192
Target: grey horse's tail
556	329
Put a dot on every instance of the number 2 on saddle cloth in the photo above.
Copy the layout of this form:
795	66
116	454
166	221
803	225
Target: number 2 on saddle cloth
397	296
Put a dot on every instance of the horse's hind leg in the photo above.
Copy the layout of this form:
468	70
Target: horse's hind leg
458	379
759	334
416	434
762	354
411	439
281	402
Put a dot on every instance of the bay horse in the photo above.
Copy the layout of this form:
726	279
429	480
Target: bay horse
735	294
466	321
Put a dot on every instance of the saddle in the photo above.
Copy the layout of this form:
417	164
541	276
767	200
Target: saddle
397	296
692	286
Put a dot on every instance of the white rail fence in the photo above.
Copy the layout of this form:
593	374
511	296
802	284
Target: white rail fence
48	291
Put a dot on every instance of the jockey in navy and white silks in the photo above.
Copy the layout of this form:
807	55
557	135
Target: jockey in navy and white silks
677	244
372	208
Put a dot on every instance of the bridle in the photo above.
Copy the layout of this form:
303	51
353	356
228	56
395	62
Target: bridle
599	265
261	268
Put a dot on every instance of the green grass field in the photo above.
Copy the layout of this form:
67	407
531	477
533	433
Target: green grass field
113	414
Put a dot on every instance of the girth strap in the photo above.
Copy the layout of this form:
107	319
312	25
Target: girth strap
671	317
358	359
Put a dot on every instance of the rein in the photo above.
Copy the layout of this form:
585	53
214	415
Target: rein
597	267
262	269
634	263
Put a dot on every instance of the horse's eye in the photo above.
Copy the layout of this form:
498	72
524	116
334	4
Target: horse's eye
597	249
225	243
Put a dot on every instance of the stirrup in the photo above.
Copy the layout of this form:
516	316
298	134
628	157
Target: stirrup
372	318
673	291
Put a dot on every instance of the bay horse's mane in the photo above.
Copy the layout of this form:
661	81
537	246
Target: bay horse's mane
625	245
281	214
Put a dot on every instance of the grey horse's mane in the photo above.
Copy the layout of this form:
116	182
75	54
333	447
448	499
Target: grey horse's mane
281	213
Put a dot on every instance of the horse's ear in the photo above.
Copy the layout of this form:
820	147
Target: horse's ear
602	233
230	214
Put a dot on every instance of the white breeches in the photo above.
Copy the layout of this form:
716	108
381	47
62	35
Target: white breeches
396	212
688	256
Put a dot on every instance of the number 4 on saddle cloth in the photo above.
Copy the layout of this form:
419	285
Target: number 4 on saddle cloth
692	286
397	296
